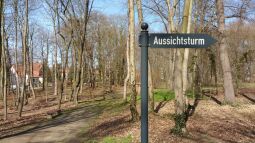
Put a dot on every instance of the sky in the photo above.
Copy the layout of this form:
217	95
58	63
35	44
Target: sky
119	7
107	7
111	7
115	7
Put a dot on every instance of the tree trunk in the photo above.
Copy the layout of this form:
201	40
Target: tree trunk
171	29
83	71
46	71
3	72
186	55
82	77
171	10
24	41
134	113
128	69
4	81
16	50
63	76
180	102
140	17
43	68
224	58
77	83
30	63
151	94
55	48
74	60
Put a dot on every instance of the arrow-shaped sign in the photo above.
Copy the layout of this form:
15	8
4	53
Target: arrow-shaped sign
163	40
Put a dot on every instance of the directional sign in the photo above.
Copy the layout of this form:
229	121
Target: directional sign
163	40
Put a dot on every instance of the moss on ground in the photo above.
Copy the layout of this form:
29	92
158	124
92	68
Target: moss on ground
110	139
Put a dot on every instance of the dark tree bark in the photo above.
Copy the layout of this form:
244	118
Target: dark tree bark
77	82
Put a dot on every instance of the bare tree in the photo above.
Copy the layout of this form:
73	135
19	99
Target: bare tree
15	5
128	67
180	102
45	56
134	113
30	63
3	72
66	34
140	16
186	54
77	82
55	9
224	58
24	44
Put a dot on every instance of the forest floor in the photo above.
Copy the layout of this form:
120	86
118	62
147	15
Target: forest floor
108	120
211	123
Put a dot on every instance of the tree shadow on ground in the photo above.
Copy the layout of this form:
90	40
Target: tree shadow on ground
222	130
247	97
160	105
211	96
191	108
107	128
202	137
80	113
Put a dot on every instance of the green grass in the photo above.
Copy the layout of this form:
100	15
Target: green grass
247	85
163	95
109	139
166	95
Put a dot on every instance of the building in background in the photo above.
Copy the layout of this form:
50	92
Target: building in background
36	75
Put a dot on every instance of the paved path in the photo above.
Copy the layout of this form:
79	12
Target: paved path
63	128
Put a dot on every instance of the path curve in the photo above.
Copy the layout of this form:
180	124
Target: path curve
63	128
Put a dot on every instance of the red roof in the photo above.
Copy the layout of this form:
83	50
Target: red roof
37	69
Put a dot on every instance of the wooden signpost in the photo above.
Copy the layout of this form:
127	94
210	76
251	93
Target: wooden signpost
162	40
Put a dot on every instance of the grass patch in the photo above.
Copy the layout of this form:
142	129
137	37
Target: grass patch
115	107
163	95
166	95
247	85
109	139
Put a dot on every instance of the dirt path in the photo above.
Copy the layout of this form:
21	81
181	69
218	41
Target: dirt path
63	128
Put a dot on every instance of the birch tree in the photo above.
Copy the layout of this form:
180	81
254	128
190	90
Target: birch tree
171	29
15	6
54	18
188	14
128	65
180	102
140	17
134	113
